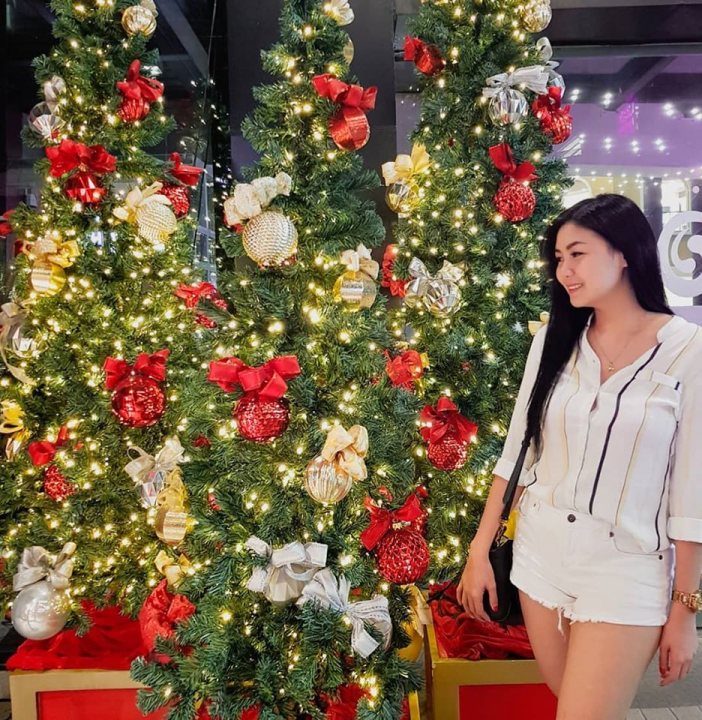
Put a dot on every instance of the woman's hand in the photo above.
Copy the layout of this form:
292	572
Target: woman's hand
678	645
477	577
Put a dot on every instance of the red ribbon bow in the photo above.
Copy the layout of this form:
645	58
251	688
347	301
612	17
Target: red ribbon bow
327	86
138	87
5	224
426	57
70	155
382	519
504	161
43	452
192	294
444	419
153	366
404	369
266	381
187	174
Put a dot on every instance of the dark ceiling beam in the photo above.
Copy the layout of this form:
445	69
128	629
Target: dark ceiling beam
639	73
184	32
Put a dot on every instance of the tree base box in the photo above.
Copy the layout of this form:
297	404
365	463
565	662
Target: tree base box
413	702
76	695
484	689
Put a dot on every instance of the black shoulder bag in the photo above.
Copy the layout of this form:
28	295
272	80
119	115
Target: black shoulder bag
509	611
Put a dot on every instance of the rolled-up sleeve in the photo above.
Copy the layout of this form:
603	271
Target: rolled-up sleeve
517	426
685	499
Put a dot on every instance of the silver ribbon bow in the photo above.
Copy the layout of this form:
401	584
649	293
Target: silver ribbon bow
12	319
439	293
534	77
149	472
37	564
543	45
289	568
325	590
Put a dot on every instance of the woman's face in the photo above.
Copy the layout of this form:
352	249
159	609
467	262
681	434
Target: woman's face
587	266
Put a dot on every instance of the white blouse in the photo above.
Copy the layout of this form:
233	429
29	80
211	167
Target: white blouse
628	451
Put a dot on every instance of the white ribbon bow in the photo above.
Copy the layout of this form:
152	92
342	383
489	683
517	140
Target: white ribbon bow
325	590
12	319
251	199
360	259
37	564
53	89
143	468
534	77
436	292
543	45
289	568
339	11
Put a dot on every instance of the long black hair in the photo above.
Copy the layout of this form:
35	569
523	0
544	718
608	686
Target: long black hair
620	222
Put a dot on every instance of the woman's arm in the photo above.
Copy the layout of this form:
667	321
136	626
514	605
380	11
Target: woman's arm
679	640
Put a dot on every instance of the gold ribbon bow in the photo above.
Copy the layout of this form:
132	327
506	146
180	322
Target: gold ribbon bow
406	167
12	425
347	450
144	467
51	255
12	318
150	212
536	325
172	521
360	259
251	199
339	11
175	571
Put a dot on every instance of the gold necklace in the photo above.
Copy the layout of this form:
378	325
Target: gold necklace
610	363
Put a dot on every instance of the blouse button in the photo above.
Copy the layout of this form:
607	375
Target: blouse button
571	518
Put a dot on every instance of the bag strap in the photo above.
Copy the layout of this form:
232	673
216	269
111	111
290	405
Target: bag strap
508	497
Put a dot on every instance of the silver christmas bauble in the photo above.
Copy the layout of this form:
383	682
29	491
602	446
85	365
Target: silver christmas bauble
40	611
270	239
555	79
356	289
325	483
509	106
44	122
537	15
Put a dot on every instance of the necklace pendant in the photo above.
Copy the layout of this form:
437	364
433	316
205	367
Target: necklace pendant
610	367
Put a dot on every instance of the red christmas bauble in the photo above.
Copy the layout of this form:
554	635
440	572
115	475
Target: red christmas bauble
403	556
261	419
84	187
179	195
56	486
133	109
138	401
206	322
515	201
429	60
449	453
559	126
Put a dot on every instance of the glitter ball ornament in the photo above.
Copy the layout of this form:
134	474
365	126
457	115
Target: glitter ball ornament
449	453
261	419
44	122
515	201
356	289
40	611
133	109
85	188
559	127
400	197
325	483
139	20
179	195
508	107
403	556
56	486
156	222
138	401
270	239
537	15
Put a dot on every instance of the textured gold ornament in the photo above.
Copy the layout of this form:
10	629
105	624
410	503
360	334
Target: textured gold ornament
537	15
139	20
325	483
270	239
356	289
47	278
171	526
156	222
400	197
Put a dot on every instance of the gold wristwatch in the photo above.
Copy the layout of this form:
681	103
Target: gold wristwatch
691	600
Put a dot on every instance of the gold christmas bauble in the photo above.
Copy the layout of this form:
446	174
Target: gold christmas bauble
349	51
139	20
400	197
537	15
356	289
156	222
270	239
171	526
325	483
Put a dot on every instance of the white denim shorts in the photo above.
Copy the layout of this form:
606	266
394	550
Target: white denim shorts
574	563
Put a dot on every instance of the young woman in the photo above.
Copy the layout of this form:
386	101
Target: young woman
610	494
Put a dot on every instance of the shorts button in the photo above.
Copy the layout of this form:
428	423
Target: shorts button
571	518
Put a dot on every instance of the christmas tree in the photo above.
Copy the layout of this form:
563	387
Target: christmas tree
473	200
309	522
98	340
